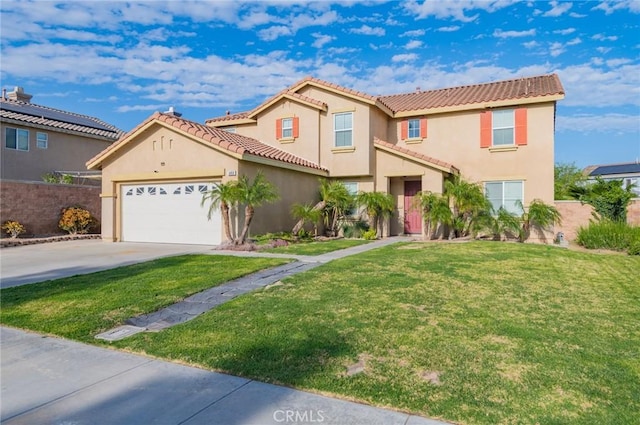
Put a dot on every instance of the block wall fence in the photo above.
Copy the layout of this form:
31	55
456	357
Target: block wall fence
37	205
574	215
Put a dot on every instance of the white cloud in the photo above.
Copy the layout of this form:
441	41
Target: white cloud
577	15
406	57
608	7
321	39
603	50
601	123
413	33
272	33
530	44
511	34
456	10
602	37
367	30
566	31
451	28
556	49
557	9
413	44
574	41
130	108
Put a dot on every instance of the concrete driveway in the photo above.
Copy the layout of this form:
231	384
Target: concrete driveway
36	263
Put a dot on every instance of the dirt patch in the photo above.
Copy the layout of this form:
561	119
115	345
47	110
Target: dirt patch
431	376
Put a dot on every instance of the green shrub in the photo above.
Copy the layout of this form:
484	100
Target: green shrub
607	234
369	235
355	229
634	248
76	220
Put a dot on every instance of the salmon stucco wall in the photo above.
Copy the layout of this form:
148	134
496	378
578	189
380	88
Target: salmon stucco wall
37	205
574	215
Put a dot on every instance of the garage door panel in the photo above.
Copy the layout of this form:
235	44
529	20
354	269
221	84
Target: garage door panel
168	213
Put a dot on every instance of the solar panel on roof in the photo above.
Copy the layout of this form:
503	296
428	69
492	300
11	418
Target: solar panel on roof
38	111
616	169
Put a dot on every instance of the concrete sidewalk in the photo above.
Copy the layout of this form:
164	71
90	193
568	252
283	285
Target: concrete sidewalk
55	381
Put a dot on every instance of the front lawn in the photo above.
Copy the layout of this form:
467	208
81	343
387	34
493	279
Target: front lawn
316	247
476	333
80	307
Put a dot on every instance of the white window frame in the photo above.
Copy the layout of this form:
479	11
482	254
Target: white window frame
287	128
18	131
230	129
413	129
337	131
42	140
503	127
504	201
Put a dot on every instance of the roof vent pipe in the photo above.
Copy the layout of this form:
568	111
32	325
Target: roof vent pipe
173	112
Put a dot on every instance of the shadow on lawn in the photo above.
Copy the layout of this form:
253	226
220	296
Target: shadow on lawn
293	359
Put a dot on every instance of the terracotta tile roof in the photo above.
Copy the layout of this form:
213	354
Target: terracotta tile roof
229	117
441	164
231	142
251	114
333	86
42	116
520	88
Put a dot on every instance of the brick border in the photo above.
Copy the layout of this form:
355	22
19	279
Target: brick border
11	242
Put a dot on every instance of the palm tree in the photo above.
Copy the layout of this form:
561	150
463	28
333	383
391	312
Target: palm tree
538	216
253	194
435	210
223	196
306	213
377	205
468	202
337	201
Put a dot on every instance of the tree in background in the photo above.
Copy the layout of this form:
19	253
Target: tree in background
223	196
566	176
306	213
467	202
607	197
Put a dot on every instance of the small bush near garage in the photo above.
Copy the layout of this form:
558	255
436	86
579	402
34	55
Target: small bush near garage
612	235
13	228
76	220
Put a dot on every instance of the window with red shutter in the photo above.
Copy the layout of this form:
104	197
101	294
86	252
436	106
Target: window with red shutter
404	130
521	126
486	129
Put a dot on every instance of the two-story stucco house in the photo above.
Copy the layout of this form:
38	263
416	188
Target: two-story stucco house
38	140
499	134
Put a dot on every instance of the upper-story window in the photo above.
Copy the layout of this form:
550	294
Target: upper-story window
287	128
503	127
42	140
343	129
414	129
16	138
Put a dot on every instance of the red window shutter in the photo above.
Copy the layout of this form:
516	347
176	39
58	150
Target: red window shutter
296	127
486	129
278	129
521	126
423	128
404	130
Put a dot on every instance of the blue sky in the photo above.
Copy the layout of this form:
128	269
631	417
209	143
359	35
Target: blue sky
122	61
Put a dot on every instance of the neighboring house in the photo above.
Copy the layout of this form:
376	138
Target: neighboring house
628	172
499	134
38	140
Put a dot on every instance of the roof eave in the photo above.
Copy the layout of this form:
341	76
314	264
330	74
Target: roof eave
275	100
481	105
59	130
282	164
335	90
449	170
226	123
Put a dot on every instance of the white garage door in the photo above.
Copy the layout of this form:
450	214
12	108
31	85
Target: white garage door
168	213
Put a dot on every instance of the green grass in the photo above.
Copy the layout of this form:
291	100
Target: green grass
82	306
316	248
476	333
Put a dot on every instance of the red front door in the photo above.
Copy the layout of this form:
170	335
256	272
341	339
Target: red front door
412	216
